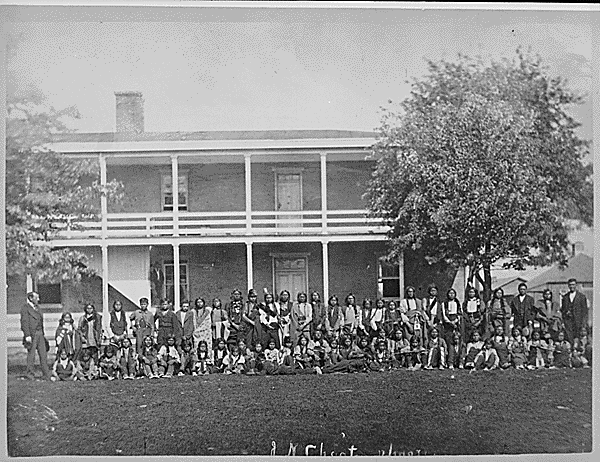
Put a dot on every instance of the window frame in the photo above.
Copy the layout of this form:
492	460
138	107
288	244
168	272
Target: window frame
166	176
380	279
165	291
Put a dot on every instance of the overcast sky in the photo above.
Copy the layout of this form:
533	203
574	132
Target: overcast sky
235	69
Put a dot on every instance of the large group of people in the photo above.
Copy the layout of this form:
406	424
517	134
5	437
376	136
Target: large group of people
307	336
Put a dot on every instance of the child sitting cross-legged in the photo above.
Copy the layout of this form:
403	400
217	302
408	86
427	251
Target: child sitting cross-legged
474	347
500	344
401	349
256	360
63	368
416	355
234	361
169	359
517	347
86	367
148	358
305	360
487	359
188	358
538	351
382	358
455	350
582	349
109	363
219	356
562	351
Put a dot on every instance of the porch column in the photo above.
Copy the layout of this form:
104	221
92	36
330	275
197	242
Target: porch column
103	198
175	188
249	265
176	277
325	247
105	313
29	283
324	193
401	274
248	182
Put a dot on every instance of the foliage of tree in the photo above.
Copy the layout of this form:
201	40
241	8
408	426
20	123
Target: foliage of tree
482	163
44	191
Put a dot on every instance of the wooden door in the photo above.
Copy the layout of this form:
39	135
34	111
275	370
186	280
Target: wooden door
288	197
290	274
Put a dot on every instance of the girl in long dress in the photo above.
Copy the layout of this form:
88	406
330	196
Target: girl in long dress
202	324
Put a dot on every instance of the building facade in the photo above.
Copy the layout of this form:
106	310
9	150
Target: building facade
217	211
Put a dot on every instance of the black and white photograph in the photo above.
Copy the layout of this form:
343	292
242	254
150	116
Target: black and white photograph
277	229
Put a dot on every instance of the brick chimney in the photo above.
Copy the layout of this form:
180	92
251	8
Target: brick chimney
130	112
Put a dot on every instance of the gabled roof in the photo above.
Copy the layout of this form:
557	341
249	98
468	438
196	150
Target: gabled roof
210	135
580	267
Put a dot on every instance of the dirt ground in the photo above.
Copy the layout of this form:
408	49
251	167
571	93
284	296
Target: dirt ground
400	412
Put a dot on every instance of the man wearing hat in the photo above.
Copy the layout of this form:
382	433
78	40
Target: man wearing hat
32	325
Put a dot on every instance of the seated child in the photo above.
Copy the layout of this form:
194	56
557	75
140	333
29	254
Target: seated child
582	350
436	346
234	362
304	358
169	359
474	347
188	358
354	357
271	357
455	350
550	350
487	359
333	358
256	360
127	359
381	358
416	355
401	349
500	344
562	351
381	337
320	346
517	347
109	364
148	358
203	359
63	368
85	367
219	356
365	347
537	351
285	360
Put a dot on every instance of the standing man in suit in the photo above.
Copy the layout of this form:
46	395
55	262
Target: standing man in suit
32	325
523	307
185	324
574	310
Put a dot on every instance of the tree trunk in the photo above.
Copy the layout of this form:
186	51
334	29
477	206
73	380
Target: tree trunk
487	282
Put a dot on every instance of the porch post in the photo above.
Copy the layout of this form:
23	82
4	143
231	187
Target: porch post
105	313
248	182
325	247
401	274
103	198
249	264
176	277
175	188
324	193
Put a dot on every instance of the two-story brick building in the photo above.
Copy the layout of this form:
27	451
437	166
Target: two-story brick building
223	210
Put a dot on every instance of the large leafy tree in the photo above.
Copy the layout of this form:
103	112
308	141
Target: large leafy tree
482	163
44	191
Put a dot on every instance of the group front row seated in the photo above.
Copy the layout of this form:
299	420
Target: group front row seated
318	356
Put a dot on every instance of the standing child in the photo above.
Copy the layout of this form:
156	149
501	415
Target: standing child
392	318
562	351
234	362
148	358
487	359
335	315
472	313
204	361
537	351
169	359
219	355
301	318
63	368
166	323
142	323
319	310
517	347
220	321
109	364
118	327
235	310
283	307
436	350
269	318
474	347
90	330
85	367
127	359
67	337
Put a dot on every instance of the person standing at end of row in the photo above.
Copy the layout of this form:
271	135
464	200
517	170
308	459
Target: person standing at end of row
32	325
574	310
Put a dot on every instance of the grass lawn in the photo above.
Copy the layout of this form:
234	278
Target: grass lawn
509	412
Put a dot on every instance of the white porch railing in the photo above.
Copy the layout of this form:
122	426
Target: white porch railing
128	225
